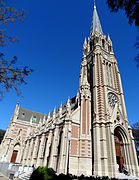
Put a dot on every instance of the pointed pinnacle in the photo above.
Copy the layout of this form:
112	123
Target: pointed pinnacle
49	115
54	112
85	42
61	105
109	38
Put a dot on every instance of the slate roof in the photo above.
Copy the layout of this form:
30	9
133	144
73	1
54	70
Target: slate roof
26	115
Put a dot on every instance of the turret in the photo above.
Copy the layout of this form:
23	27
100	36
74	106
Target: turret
44	119
16	112
54	114
48	117
68	105
85	48
60	111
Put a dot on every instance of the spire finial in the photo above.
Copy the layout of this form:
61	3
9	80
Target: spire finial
94	4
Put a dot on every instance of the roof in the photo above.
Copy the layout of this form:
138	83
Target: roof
26	115
34	117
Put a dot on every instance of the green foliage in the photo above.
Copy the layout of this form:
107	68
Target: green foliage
135	130
2	132
11	77
130	7
63	177
8	15
43	173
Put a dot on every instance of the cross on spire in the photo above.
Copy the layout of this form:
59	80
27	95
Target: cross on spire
94	3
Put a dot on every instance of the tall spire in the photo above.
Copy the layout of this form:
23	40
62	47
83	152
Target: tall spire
94	3
95	22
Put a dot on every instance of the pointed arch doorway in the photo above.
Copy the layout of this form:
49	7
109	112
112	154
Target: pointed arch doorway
118	149
15	154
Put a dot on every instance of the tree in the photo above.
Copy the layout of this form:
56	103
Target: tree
131	9
135	130
2	132
43	173
11	77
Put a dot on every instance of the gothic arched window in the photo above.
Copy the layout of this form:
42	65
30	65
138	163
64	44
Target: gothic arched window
109	74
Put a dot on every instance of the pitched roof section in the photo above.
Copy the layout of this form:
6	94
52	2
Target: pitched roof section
95	22
35	117
26	115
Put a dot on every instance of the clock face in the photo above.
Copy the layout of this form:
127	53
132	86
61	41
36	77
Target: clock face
112	100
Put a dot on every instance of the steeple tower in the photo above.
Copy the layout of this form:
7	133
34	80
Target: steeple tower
95	22
102	107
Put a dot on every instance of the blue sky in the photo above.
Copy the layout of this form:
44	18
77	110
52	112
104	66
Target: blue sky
51	40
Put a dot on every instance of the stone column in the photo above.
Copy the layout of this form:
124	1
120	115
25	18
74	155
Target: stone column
35	151
112	164
97	151
47	150
126	163
22	154
26	152
41	150
9	155
128	157
30	152
134	160
104	156
62	164
54	150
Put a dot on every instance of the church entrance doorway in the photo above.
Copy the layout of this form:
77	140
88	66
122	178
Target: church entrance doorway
14	155
118	148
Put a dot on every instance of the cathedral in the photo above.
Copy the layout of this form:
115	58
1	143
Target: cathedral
90	133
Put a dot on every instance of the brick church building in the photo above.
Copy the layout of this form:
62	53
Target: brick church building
90	132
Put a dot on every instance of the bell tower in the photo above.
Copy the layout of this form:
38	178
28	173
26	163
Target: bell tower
112	141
